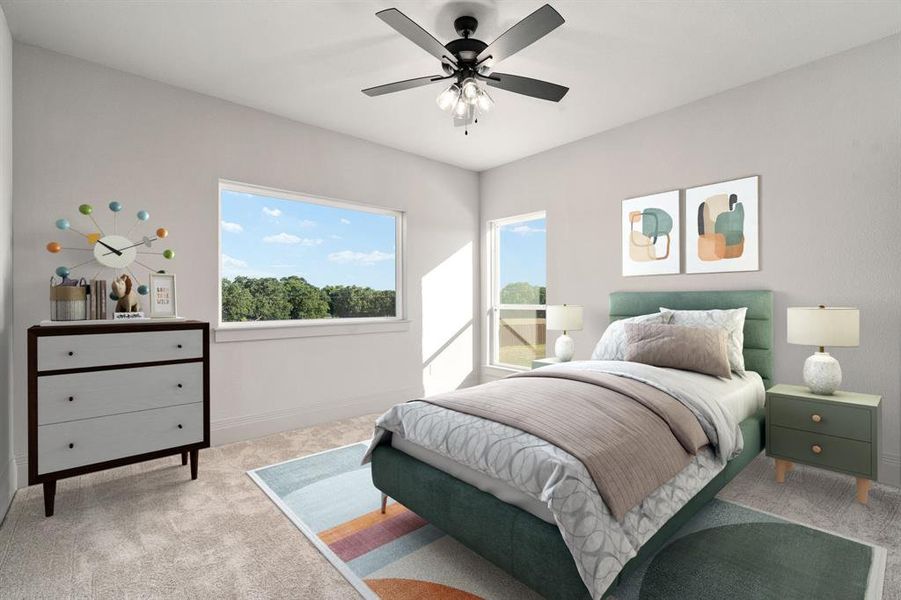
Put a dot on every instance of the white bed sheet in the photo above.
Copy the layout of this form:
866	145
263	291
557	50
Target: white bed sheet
742	396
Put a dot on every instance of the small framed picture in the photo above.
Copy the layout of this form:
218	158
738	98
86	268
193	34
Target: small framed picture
162	295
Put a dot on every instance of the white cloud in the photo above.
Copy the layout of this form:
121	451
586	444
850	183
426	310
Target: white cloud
291	240
335	237
232	227
230	263
306	223
526	230
345	221
272	212
359	258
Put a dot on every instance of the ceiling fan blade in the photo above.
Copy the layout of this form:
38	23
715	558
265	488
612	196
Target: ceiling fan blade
408	28
399	86
527	86
529	30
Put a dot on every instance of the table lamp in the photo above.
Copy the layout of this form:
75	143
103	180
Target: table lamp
564	317
823	326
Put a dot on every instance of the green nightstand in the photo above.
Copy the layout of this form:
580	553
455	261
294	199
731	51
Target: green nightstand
543	362
839	432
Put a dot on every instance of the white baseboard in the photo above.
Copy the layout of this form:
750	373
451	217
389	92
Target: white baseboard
890	470
8	476
246	427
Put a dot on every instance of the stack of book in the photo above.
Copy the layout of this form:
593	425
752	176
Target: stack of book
96	299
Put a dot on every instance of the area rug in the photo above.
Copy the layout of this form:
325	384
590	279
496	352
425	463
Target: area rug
725	551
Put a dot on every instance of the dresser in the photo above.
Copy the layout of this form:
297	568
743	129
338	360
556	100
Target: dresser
838	432
107	395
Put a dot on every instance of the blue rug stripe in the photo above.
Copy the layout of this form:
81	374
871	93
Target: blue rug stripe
390	552
286	477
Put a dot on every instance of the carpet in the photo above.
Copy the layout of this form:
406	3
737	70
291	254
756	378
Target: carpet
726	550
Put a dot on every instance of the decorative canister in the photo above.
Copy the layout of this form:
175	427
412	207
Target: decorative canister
68	302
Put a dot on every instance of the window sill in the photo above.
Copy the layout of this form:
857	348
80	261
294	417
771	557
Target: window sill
498	372
241	332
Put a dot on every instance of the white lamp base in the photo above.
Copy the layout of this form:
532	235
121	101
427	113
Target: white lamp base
822	373
564	348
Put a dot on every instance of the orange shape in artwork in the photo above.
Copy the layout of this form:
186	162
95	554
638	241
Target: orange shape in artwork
414	589
54	247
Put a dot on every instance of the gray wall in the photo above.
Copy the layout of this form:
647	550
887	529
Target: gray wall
7	472
86	133
825	139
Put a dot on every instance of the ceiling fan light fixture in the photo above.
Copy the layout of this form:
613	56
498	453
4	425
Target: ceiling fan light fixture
448	98
470	90
484	102
461	108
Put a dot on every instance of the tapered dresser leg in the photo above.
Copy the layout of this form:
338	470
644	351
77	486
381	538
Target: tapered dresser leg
194	457
384	503
782	466
184	458
863	490
49	497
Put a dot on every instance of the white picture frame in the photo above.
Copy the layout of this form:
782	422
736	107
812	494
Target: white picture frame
651	243
722	232
162	297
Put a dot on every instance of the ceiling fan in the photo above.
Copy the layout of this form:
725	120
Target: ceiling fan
469	62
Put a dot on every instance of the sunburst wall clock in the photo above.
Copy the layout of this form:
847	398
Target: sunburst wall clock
112	251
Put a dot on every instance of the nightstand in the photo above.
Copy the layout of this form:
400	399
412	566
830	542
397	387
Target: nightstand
838	432
543	362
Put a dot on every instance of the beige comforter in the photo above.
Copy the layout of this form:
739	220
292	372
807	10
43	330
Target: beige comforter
631	437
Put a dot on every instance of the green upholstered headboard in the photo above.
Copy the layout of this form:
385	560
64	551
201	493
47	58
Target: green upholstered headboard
758	350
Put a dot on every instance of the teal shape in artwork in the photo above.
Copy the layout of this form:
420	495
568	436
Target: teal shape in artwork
655	222
732	224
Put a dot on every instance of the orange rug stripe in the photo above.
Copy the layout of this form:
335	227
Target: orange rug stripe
330	536
414	589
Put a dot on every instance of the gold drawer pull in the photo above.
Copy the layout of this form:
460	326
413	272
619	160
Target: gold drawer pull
816	418
816	448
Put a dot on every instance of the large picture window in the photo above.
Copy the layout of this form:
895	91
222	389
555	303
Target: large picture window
519	282
290	257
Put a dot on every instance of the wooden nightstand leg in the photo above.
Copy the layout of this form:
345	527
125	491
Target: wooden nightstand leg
789	466
782	467
863	490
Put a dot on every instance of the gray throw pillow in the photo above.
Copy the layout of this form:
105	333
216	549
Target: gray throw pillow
612	345
732	320
700	349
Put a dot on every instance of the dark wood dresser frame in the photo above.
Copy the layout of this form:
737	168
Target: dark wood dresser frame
49	479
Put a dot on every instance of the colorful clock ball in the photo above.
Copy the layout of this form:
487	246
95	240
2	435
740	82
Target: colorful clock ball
62	224
143	215
62	272
169	254
85	209
162	232
113	296
54	247
143	289
115	206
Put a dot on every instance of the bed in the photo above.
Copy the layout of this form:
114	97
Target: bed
514	531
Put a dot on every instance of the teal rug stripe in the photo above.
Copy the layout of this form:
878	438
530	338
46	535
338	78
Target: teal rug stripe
288	477
335	500
392	551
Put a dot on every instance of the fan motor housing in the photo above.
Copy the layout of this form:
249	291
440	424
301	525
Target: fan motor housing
466	49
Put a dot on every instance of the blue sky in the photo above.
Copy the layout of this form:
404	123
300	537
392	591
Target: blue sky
264	236
523	252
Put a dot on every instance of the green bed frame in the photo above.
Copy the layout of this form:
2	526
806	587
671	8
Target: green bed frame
533	550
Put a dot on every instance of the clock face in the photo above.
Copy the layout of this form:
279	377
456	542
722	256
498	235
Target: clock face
115	251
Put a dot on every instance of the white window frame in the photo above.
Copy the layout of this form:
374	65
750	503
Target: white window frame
494	227
227	331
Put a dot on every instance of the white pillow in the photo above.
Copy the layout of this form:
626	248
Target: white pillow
732	320
612	345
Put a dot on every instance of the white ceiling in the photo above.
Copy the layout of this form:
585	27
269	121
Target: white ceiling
308	61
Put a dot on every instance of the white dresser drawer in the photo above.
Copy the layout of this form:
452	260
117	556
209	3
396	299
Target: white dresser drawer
107	438
99	393
100	349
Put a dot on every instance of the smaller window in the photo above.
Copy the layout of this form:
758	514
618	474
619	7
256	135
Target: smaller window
292	258
519	283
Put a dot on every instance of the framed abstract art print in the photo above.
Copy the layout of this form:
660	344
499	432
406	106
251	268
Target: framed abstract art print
650	226
721	233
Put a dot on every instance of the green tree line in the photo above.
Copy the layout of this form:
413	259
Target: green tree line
273	299
522	292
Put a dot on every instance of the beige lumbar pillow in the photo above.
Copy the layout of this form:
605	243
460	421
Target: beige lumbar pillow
701	349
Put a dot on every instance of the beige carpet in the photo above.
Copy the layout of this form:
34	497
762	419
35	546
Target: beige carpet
147	531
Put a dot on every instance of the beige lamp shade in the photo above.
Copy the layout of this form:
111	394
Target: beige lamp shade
824	326
564	317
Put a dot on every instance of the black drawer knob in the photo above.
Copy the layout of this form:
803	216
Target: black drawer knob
71	398
179	345
71	445
179	426
71	353
179	385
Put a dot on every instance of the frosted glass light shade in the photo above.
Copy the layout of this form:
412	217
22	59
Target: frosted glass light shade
564	317
824	326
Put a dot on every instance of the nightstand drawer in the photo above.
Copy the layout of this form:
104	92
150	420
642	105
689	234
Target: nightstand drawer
827	418
835	453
